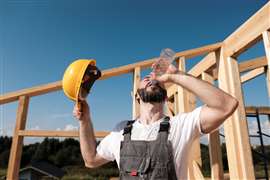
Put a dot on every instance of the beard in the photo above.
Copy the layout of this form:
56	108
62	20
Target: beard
156	95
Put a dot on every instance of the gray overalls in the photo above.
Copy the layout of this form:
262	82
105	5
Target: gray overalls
148	160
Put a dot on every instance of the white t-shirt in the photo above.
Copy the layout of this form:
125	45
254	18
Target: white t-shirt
184	127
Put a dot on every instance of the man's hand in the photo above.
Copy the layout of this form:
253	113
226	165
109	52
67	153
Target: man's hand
163	65
81	113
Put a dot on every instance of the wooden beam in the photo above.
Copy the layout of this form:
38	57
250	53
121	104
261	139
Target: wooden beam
267	78
214	145
197	171
235	127
181	95
167	110
266	42
248	33
252	64
252	74
17	141
264	110
46	133
244	66
136	82
55	86
34	91
207	62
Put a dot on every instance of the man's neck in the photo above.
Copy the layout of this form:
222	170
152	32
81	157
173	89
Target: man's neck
150	113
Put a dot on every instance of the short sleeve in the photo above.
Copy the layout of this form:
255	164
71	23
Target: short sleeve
186	126
105	149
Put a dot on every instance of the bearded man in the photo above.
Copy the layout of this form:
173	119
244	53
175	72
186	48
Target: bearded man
154	146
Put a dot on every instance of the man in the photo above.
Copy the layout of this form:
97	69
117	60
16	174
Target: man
154	147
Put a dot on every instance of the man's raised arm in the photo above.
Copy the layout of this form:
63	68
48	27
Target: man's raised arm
219	104
87	137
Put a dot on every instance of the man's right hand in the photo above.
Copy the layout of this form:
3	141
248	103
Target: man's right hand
81	113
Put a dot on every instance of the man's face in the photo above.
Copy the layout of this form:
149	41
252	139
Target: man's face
151	91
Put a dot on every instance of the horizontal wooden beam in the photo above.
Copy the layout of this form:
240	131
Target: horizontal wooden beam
246	65
264	110
148	63
248	33
199	51
33	91
55	86
46	133
252	74
252	64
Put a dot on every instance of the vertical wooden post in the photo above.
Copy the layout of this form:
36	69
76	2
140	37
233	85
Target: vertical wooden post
182	97
17	141
185	103
136	82
214	145
266	42
235	127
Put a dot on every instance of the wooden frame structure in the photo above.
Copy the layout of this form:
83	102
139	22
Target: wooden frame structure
219	63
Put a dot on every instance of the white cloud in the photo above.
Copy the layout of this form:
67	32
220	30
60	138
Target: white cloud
253	129
68	127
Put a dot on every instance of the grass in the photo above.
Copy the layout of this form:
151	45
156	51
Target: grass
3	172
102	173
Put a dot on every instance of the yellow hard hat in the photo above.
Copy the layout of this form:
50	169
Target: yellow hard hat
73	77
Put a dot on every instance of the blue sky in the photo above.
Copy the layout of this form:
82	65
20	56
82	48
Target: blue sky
40	38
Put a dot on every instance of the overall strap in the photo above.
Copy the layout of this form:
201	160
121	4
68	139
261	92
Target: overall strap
127	130
164	129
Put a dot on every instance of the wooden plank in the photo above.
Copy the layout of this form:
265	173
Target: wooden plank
55	86
214	144
183	104
248	33
197	170
232	150
136	82
252	64
34	91
207	62
171	90
181	95
266	42
199	51
46	133
17	141
235	127
240	122
252	74
267	78
244	66
147	63
264	110
167	110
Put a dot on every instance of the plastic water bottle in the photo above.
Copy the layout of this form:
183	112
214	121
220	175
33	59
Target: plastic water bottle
167	56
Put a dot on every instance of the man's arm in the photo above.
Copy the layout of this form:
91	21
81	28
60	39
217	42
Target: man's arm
87	138
219	104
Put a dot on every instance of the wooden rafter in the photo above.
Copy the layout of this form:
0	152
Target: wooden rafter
248	33
252	74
